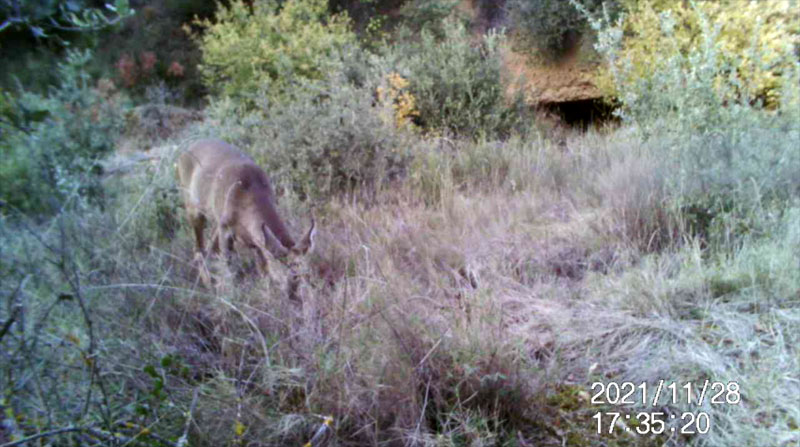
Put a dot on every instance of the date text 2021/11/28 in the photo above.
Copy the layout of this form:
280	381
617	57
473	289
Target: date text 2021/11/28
628	393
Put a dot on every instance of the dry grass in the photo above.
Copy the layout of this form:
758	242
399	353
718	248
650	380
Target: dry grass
472	304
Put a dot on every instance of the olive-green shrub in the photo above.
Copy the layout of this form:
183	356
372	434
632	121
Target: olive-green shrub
458	85
253	46
330	137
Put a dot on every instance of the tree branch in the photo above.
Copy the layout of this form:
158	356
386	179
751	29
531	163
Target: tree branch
45	434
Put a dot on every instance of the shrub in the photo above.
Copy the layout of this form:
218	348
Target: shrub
458	86
126	69
148	48
395	94
755	41
329	138
53	149
554	27
266	48
722	150
427	14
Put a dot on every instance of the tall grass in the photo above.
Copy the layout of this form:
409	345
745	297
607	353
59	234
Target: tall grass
443	311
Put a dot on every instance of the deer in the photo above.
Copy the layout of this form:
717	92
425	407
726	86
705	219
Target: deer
223	184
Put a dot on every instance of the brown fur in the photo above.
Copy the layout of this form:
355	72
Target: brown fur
225	185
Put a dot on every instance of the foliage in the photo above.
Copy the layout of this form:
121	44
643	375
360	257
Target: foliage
756	42
45	16
186	10
268	48
395	93
458	86
151	51
427	14
554	27
51	144
328	139
723	152
366	13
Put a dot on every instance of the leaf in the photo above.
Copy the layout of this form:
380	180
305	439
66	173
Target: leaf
72	6
166	361
37	116
158	385
73	18
123	7
239	428
38	32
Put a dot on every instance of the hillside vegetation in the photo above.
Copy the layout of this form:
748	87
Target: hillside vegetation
477	268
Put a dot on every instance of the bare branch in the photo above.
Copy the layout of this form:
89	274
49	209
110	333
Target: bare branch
15	309
184	439
46	434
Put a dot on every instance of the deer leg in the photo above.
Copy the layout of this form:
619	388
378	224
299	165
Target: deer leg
293	286
262	262
228	240
215	242
225	238
198	222
202	270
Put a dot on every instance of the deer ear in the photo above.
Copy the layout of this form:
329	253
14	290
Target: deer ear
307	244
272	243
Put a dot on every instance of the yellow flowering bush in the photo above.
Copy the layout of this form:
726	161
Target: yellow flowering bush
398	98
757	40
247	49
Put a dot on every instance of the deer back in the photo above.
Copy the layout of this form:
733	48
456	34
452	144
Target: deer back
226	185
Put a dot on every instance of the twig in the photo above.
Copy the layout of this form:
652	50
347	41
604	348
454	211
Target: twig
147	286
45	434
319	438
15	309
424	406
184	439
117	438
430	351
71	277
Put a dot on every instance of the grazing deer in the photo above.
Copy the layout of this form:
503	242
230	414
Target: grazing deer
225	185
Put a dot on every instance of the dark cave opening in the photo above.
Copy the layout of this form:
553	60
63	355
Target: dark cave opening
583	113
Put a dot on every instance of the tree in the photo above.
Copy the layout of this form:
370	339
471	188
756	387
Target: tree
42	17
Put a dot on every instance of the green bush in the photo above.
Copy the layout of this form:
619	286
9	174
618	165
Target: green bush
458	86
268	48
754	41
552	26
724	153
51	144
427	14
329	138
